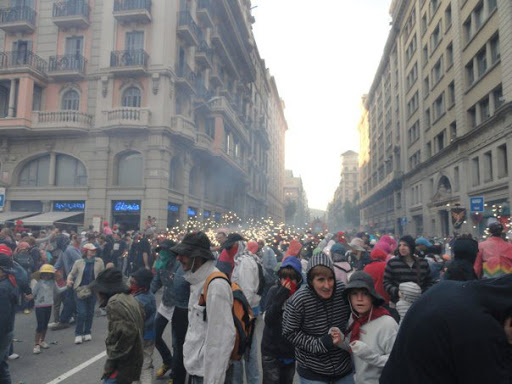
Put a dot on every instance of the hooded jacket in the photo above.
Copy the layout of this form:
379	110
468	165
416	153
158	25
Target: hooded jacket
452	326
376	270
176	288
306	323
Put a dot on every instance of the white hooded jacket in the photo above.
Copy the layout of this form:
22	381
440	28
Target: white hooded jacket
208	344
247	276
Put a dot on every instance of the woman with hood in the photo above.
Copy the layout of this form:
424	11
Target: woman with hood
371	331
173	308
342	268
310	318
277	353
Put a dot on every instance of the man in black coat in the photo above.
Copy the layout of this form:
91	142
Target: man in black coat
457	332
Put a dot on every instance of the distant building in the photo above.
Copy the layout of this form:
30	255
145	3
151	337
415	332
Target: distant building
295	201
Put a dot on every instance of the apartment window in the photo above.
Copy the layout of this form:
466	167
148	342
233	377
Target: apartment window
456	179
427	118
451	94
36	173
467	29
475	171
491	5
472	117
210	127
495	49
497	95
132	97
74	46
487	166
412	105
453	131
479	16
434	4
439	107
412	76
448	17
502	161
470	74
424	24
481	62
37	98
449	55
426	86
425	55
429	149
414	132
440	141
437	72
485	112
70	101
130	169
435	38
411	48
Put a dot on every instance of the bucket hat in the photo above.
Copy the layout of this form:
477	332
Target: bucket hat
361	279
109	281
194	244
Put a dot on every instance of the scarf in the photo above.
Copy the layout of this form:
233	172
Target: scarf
135	288
359	321
89	261
164	256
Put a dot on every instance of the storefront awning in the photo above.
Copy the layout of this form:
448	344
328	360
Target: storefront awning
49	218
14	215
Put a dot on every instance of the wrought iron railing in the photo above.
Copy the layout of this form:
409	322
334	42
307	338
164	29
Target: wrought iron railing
129	58
206	50
14	14
67	63
132	5
18	59
185	72
185	19
71	8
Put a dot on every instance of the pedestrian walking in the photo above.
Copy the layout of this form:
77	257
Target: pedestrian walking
8	298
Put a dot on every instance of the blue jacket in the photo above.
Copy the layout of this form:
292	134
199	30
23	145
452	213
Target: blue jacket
67	259
147	301
176	288
8	300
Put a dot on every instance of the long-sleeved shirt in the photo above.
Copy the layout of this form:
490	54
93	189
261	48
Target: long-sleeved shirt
67	259
43	292
398	271
492	247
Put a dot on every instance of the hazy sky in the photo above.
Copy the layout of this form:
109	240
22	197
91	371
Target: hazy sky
323	54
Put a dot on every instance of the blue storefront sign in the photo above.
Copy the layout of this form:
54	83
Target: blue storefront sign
126	205
173	207
476	204
2	201
192	211
69	206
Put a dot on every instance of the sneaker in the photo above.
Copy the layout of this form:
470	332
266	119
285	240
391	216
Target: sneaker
51	325
87	338
59	326
162	371
78	340
13	356
72	320
37	349
44	345
26	311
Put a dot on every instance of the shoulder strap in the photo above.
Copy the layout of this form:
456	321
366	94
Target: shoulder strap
343	269
209	279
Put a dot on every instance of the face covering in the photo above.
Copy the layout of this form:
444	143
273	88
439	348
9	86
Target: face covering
164	256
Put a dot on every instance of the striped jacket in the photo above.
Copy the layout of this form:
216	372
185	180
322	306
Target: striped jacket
306	321
397	271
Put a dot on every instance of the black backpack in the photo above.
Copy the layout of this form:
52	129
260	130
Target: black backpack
261	281
24	259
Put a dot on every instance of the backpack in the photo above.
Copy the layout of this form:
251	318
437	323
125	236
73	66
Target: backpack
24	259
242	315
261	279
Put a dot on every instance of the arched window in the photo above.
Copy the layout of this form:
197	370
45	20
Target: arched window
69	172
132	97
129	169
175	174
193	186
35	173
71	100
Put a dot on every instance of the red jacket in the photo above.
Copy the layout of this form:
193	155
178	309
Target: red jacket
376	270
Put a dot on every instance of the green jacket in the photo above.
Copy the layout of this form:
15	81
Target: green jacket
124	339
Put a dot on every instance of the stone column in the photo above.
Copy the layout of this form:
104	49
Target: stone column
52	173
12	98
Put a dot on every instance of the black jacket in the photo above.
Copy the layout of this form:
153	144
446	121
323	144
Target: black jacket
273	343
454	335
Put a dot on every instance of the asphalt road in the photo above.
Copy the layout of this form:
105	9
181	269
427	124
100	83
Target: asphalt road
64	362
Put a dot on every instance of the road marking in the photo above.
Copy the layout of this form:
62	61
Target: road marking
77	369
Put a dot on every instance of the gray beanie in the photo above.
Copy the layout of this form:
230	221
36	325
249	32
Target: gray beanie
319	259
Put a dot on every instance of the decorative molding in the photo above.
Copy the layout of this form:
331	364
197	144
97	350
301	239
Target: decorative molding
156	82
104	86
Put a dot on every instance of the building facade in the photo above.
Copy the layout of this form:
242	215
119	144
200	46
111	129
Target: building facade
439	120
122	109
295	201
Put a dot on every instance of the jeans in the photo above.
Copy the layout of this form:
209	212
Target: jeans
161	346
348	379
85	314
69	306
276	372
179	330
5	344
114	381
252	372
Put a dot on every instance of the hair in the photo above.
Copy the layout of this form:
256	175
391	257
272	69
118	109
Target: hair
102	237
319	270
288	272
47	274
31	241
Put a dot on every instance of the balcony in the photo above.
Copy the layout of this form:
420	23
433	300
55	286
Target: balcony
204	13
126	118
188	30
204	55
129	62
132	11
71	14
183	128
216	78
186	78
18	19
61	121
222	104
203	95
22	62
204	142
67	67
219	40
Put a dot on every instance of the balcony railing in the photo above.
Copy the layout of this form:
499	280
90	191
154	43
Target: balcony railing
129	58
67	63
71	8
186	78
204	10
61	120
188	29
18	19
126	117
204	54
132	5
11	60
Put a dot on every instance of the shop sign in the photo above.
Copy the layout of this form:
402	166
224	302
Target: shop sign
2	197
126	205
69	206
192	211
477	204
173	207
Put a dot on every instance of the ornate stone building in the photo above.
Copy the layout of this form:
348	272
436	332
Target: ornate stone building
439	119
122	109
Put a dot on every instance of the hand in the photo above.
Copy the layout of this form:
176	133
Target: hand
359	348
337	336
287	284
69	284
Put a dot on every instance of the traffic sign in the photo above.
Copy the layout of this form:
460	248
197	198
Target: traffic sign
403	221
476	204
2	197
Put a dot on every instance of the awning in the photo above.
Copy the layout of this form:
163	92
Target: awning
49	218
14	215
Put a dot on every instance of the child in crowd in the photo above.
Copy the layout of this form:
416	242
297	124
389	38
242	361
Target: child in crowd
43	293
140	283
371	332
408	292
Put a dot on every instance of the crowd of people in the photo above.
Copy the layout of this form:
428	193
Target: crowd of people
334	308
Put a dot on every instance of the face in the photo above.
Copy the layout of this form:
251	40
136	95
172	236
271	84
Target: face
421	248
403	249
132	281
186	262
360	300
221	238
91	253
323	284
